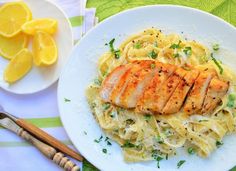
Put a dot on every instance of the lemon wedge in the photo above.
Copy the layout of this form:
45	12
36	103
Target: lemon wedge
44	49
12	16
19	66
9	47
43	24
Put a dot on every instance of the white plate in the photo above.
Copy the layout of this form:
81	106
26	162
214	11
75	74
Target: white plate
41	78
81	70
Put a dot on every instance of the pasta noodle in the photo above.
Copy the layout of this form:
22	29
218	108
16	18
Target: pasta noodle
144	136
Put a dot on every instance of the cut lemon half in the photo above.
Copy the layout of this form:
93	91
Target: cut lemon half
44	49
43	24
19	66
12	16
9	47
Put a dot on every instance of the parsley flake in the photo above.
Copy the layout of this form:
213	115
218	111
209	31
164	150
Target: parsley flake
159	139
104	150
176	55
137	45
152	54
176	46
231	100
188	51
98	140
216	47
106	106
147	117
180	163
217	64
219	143
191	150
67	100
128	144
112	49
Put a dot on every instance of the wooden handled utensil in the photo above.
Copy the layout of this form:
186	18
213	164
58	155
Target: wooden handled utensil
48	145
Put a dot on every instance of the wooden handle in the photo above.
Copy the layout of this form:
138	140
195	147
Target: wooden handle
49	152
48	139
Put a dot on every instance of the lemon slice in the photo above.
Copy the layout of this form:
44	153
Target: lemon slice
12	16
44	49
45	24
9	47
19	66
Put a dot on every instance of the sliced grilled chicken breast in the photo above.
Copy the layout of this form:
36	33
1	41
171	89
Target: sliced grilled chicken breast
166	90
148	101
137	82
155	87
196	97
111	80
177	99
216	90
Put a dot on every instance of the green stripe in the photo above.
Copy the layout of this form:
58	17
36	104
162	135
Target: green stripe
45	122
76	21
23	144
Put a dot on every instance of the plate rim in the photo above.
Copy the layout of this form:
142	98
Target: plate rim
62	68
59	95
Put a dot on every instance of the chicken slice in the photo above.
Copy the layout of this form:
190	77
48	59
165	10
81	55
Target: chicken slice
197	95
125	79
176	100
216	90
111	80
136	85
167	89
148	101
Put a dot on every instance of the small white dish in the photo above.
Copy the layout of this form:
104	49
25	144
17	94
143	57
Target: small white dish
40	78
82	69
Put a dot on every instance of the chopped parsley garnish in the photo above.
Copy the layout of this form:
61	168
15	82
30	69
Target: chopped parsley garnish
176	46
176	55
85	133
137	45
217	64
152	54
98	140
107	140
191	150
97	82
104	150
113	114
106	106
203	120
188	51
147	117
231	100
111	45
128	144
219	143
156	157
67	100
117	54
112	49
129	121
216	47
155	44
153	65
159	139
180	163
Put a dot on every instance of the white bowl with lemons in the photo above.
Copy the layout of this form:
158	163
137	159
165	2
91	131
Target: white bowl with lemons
35	42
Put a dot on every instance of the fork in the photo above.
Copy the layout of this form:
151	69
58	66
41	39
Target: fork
50	152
